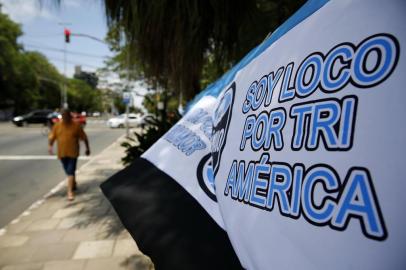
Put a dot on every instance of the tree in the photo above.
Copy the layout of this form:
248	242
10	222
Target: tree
151	100
88	77
48	93
174	39
171	41
10	60
82	97
27	79
118	102
25	86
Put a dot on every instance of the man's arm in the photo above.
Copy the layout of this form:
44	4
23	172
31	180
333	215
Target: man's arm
84	138
50	147
51	140
87	152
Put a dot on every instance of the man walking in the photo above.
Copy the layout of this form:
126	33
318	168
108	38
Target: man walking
67	133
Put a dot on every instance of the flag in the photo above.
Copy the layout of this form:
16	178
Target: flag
297	152
166	199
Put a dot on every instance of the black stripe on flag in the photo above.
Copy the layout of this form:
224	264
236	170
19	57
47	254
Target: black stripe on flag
167	223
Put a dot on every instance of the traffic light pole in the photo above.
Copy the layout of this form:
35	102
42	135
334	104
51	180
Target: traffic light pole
64	95
67	33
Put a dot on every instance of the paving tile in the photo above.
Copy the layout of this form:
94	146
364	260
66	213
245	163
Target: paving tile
86	196
54	252
107	264
109	230
135	262
75	222
139	262
12	240
16	255
67	212
125	247
124	234
76	204
65	265
55	203
112	211
94	249
25	266
97	211
40	238
43	224
18	227
80	235
86	177
37	214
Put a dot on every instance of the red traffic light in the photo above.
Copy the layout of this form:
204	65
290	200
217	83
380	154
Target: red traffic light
67	35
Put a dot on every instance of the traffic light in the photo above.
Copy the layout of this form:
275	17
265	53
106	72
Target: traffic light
67	35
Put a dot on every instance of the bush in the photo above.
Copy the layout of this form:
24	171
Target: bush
153	129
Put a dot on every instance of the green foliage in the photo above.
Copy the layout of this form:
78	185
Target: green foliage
10	60
154	129
88	77
19	82
48	92
151	99
118	103
82	97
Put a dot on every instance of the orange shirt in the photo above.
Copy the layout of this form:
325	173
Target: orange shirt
67	136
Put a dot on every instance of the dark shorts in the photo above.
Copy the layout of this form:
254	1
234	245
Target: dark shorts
69	165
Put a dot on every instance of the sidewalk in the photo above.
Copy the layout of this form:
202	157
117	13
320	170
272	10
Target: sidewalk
81	235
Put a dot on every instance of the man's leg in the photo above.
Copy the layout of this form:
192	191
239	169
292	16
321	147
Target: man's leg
71	169
71	179
74	186
74	162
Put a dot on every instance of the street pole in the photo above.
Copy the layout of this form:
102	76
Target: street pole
127	106
127	128
65	95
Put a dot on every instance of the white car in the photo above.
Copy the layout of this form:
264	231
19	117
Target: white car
134	120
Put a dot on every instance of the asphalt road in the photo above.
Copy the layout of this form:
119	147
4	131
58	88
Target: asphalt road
26	171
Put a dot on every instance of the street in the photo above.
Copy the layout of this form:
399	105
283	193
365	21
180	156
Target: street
27	172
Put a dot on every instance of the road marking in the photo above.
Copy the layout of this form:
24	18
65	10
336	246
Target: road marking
35	157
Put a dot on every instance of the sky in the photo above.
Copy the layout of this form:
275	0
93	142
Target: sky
41	24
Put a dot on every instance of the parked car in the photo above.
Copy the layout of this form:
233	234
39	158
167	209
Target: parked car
34	117
134	120
55	117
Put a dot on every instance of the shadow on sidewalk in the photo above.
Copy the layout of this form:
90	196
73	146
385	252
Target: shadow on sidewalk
92	208
91	212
